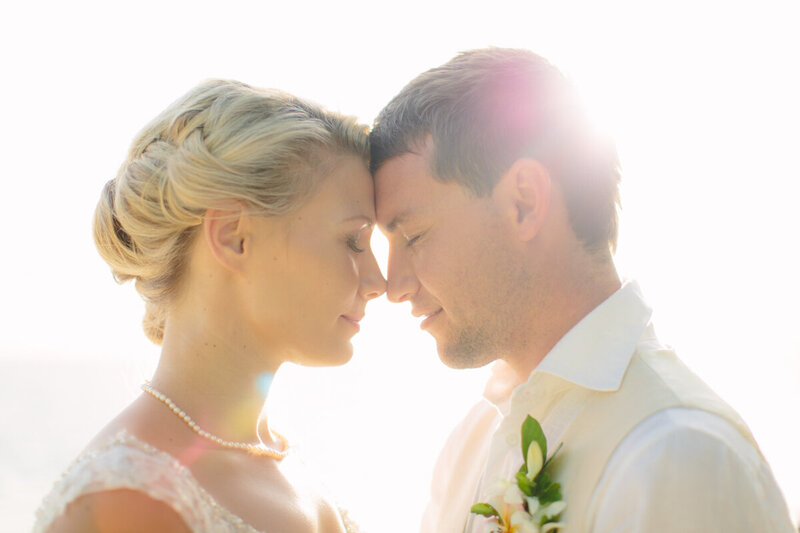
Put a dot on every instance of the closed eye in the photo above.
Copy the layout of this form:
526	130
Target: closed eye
412	240
352	243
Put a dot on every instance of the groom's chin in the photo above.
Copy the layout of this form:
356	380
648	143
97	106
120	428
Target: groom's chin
462	357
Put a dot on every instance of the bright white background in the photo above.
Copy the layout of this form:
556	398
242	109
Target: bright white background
701	97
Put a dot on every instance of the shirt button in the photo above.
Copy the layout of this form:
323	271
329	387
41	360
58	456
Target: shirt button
513	439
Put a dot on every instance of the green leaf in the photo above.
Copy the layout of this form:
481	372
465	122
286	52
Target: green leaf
542	480
524	484
546	520
532	432
550	494
558	449
484	509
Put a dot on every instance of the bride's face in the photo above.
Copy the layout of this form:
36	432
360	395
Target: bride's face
313	273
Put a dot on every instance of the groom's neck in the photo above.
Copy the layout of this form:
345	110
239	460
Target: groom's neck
568	295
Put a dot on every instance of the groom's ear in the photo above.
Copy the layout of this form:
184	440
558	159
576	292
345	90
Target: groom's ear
226	235
524	193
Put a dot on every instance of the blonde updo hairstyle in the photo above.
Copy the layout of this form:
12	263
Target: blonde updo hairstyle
222	141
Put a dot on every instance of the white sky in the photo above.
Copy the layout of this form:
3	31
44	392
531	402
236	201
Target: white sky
700	95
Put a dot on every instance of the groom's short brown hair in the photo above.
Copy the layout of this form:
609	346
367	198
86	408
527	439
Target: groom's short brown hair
486	108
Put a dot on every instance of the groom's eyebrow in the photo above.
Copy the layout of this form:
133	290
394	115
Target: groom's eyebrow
398	220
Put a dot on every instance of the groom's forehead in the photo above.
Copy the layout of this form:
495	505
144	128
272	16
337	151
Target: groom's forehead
402	187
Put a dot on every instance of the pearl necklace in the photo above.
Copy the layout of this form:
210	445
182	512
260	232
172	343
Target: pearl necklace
256	449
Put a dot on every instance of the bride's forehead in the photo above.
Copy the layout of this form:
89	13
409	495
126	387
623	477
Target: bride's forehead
347	189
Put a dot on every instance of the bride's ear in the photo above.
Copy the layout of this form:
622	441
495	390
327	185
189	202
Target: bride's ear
225	234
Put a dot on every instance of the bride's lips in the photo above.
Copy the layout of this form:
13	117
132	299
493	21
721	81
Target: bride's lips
353	321
430	318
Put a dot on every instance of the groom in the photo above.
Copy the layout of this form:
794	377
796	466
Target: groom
500	204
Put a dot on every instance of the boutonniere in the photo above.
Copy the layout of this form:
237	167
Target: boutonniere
530	503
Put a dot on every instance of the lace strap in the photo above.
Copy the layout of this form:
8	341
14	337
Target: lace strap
349	524
125	462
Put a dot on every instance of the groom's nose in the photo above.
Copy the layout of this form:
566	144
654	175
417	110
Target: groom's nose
401	281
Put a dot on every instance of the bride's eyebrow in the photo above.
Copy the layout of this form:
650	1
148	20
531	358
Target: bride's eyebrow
367	220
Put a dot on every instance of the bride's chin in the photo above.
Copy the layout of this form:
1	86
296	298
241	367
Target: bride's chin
331	356
341	357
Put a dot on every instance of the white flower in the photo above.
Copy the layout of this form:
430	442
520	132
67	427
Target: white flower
499	486
491	526
551	509
513	510
513	496
497	492
535	460
507	499
504	493
521	522
533	504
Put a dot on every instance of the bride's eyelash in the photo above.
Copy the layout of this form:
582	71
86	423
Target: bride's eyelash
352	243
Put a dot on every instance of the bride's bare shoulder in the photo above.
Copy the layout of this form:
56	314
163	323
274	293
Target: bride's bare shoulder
118	511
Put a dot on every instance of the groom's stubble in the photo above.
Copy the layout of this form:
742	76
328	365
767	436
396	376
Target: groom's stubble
494	331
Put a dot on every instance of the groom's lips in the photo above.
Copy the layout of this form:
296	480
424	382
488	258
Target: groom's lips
430	317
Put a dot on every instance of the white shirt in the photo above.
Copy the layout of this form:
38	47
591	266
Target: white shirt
679	470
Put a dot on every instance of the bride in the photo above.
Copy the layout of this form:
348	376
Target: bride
244	217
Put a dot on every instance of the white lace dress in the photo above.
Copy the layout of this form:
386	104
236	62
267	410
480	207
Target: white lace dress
125	462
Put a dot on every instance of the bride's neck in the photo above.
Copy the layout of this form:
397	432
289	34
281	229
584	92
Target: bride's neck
218	378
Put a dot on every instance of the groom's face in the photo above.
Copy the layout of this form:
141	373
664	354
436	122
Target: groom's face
447	257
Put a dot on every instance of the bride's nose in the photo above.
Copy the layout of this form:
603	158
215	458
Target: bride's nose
372	283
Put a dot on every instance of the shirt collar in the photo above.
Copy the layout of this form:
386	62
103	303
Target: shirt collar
596	352
500	385
608	334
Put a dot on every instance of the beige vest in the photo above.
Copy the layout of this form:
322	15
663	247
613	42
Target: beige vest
654	381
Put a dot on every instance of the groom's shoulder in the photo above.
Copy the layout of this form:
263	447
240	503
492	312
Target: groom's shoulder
687	417
663	378
695	461
658	380
660	407
683	436
690	449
